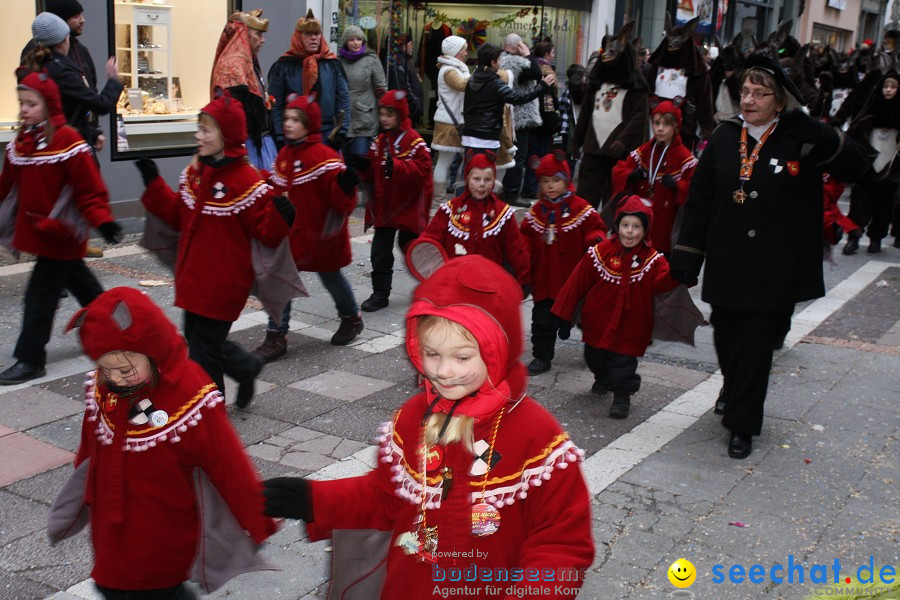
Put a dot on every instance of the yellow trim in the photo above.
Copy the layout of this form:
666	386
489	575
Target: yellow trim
248	192
412	146
559	439
63	151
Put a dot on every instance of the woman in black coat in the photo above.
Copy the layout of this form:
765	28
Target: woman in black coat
754	216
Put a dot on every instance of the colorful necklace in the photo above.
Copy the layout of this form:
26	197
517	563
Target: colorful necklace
739	195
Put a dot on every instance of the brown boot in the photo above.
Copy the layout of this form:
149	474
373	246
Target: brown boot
347	332
273	347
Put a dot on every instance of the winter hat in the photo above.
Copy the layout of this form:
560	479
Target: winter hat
553	164
65	9
452	45
667	107
308	24
43	85
396	99
229	115
635	206
352	31
49	29
313	111
484	160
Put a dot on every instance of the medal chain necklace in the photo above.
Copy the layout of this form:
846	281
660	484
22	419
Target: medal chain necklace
651	172
739	195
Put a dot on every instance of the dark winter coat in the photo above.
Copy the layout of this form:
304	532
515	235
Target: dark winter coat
485	96
286	77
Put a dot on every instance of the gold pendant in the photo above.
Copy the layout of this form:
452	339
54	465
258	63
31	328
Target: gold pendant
739	195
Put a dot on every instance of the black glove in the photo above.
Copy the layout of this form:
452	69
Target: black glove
801	126
286	208
356	161
111	231
563	327
668	181
389	166
348	179
684	277
638	173
338	141
288	497
149	170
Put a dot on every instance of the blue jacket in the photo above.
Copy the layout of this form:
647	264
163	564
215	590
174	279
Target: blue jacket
286	78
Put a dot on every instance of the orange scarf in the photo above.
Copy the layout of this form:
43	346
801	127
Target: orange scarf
310	61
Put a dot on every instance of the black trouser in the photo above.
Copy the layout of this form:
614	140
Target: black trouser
543	330
871	203
383	257
595	178
743	341
512	180
617	371
50	277
208	346
179	592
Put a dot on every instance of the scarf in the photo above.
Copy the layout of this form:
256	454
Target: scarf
352	56
310	61
234	63
452	61
31	140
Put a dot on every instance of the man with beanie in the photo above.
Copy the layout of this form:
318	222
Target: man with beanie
307	66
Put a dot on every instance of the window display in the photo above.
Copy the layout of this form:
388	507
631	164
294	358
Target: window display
15	31
165	51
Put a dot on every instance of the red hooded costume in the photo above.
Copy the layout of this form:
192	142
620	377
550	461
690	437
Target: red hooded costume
487	227
675	160
558	233
218	210
535	486
403	200
306	171
834	218
617	285
57	185
140	485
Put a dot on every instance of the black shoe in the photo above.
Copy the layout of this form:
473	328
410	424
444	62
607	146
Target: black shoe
720	403
21	372
852	244
247	387
347	332
740	446
619	407
375	302
779	343
538	366
599	388
874	247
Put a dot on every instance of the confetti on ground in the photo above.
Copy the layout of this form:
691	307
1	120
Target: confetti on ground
807	460
739	524
152	282
817	427
784	446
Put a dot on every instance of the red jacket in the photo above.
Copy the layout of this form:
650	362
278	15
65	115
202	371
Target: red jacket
464	225
677	162
557	235
145	515
307	174
617	285
833	189
40	177
218	210
403	201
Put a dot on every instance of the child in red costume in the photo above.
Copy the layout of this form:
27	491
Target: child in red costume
48	159
479	222
323	192
558	230
660	170
617	279
403	188
156	444
221	205
836	223
472	473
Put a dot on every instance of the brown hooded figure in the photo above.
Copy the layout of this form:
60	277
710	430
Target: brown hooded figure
613	119
677	69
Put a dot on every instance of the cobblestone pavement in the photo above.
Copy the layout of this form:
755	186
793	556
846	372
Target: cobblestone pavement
820	485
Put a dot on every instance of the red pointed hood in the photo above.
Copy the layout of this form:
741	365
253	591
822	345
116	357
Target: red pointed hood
313	112
396	99
639	207
228	113
43	85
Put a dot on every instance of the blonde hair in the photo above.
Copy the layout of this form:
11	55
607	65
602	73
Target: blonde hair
49	129
461	428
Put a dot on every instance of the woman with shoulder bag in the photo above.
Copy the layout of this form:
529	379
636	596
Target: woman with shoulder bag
448	119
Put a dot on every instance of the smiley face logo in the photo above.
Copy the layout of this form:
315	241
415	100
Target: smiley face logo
682	573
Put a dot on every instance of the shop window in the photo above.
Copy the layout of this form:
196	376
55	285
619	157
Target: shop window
164	51
15	31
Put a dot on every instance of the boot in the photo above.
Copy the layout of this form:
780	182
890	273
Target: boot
538	366
619	407
852	244
273	347
347	332
375	302
247	387
874	246
381	290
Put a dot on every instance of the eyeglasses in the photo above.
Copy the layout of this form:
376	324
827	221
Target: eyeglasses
757	96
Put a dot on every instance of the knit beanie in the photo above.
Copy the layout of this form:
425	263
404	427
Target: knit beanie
452	45
65	9
352	31
49	29
308	24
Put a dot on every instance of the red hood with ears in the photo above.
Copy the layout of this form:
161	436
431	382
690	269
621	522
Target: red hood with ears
228	113
313	113
124	319
42	84
483	160
554	164
396	99
480	295
635	205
